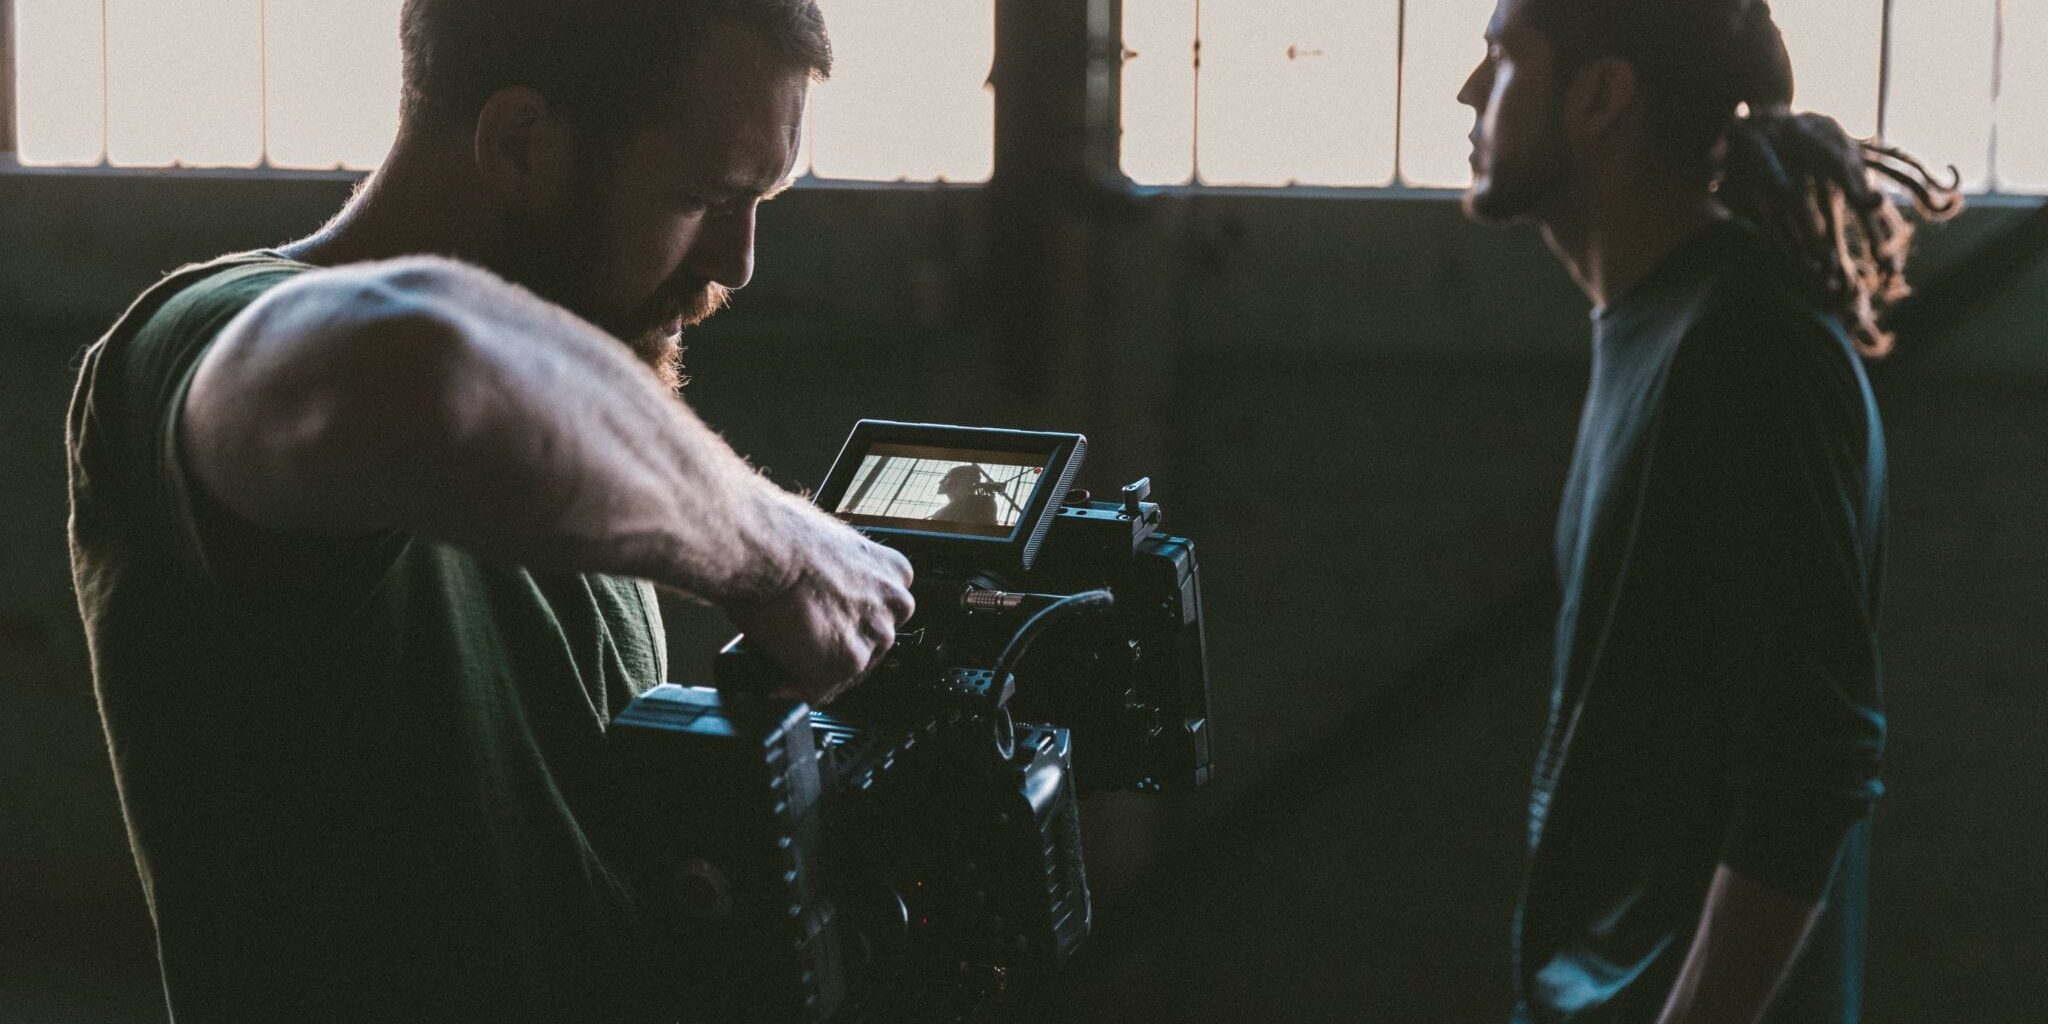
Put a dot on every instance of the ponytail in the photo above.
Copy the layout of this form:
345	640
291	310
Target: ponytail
1718	84
1819	194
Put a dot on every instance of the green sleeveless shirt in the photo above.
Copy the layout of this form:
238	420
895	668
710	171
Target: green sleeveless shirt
364	778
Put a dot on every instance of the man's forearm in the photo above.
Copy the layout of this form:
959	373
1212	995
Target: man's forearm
432	397
1748	939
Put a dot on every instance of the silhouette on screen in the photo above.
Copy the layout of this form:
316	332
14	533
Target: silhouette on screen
956	495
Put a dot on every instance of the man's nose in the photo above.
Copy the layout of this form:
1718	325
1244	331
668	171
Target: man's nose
725	248
1473	93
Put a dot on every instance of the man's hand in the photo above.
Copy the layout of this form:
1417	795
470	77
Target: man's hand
835	620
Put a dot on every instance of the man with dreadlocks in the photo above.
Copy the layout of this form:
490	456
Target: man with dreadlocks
1700	807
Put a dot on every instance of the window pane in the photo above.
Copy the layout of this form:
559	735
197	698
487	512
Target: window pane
2023	109
1298	91
1940	105
333	71
1837	49
184	82
1159	91
908	97
1446	41
59	102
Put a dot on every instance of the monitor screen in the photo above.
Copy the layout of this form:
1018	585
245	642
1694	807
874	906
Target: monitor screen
932	489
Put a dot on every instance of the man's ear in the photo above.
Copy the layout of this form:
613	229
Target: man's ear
1601	100
525	151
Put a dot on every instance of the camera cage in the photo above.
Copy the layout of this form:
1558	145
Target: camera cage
914	853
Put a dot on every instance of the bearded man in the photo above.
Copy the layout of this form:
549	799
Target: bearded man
366	528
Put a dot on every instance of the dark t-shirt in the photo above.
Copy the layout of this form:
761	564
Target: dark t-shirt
364	779
1716	697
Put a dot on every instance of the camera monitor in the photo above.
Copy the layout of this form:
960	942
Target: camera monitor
965	497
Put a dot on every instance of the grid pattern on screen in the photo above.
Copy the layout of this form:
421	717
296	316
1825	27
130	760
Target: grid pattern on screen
894	487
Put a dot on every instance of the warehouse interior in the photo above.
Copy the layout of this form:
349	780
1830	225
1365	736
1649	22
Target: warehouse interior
1359	405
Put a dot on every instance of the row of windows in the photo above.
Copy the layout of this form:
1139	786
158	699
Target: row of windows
1313	92
1364	92
314	84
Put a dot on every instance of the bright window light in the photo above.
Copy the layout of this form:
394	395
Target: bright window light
1159	91
908	98
1267	119
1446	41
1837	56
1286	91
207	83
1940	104
333	75
59	93
185	83
2023	103
1298	92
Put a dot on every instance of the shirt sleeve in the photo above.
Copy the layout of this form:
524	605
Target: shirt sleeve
1772	418
160	362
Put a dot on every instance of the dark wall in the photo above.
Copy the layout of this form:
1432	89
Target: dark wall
1360	408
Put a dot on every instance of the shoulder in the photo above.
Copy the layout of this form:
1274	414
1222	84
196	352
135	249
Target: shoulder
409	288
163	332
154	345
1751	317
1757	340
200	299
364	331
1762	375
429	310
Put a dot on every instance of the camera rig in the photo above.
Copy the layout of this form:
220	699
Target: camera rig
914	853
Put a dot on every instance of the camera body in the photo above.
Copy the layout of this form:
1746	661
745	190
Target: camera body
914	853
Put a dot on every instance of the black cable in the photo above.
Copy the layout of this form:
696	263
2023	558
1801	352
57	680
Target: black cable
1087	600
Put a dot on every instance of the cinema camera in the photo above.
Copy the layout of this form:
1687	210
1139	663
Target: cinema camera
914	853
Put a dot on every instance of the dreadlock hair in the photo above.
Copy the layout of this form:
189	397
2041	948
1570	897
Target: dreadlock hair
1717	85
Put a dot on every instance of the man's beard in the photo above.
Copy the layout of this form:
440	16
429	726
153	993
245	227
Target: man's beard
652	332
1520	185
1522	191
561	259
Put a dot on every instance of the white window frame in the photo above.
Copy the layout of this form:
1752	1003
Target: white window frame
1398	189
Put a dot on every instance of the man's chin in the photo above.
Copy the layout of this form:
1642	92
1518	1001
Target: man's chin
1472	203
1485	204
1518	199
662	351
659	345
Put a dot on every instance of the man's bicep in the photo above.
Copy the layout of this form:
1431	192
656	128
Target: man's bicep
1808	764
296	416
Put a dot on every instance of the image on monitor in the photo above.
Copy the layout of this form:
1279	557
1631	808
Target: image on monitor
942	490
